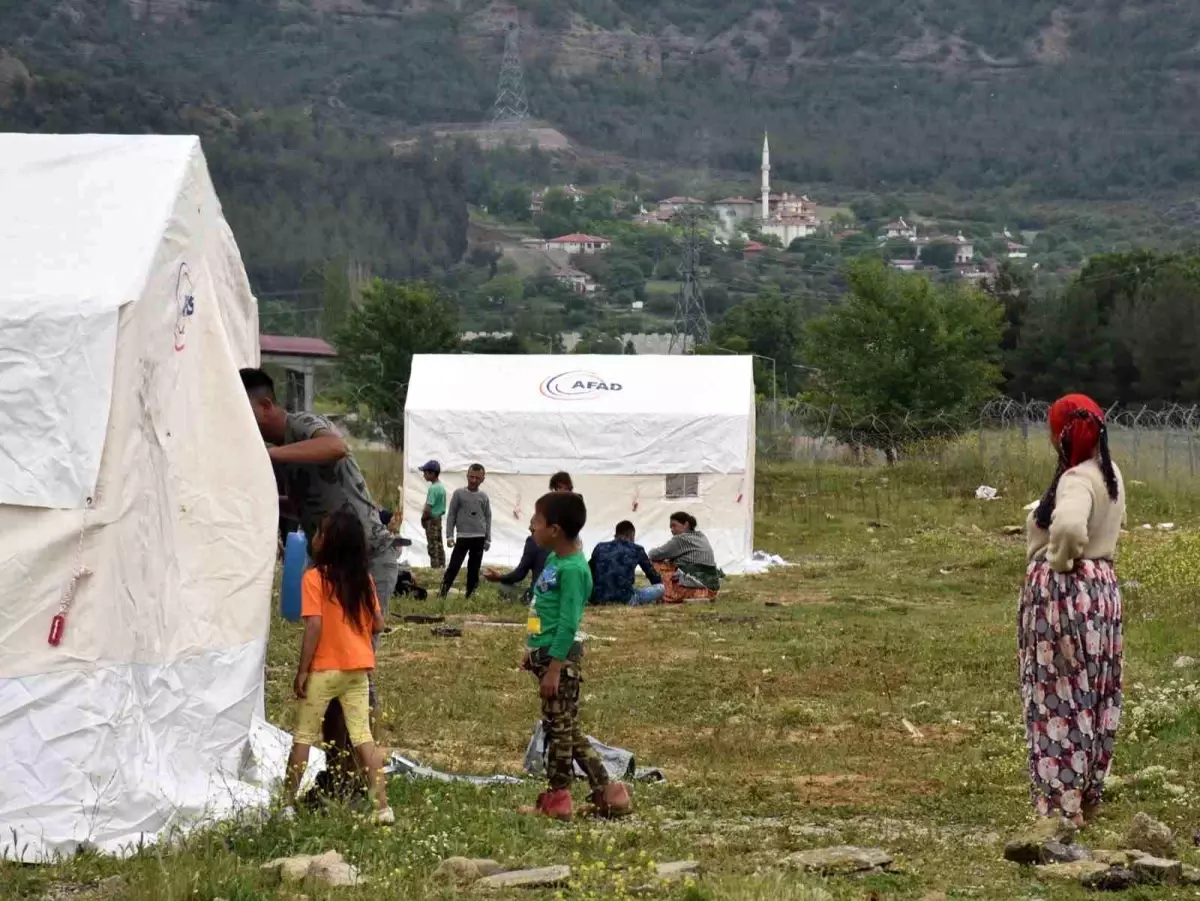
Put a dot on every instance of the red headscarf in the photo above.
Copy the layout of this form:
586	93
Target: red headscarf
1078	418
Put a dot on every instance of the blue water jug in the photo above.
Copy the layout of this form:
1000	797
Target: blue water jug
295	561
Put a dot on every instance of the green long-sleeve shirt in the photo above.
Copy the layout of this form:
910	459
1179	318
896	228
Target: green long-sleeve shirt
559	596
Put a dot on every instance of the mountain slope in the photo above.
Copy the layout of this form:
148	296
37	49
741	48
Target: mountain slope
1070	98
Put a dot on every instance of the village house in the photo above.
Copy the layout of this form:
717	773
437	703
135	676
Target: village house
577	243
752	250
673	205
899	230
579	282
538	198
1015	251
731	213
964	251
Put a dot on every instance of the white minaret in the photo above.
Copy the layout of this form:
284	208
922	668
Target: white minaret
766	179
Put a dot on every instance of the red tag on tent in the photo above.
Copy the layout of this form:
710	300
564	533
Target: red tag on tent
57	625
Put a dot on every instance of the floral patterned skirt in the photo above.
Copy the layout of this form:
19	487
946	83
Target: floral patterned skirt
1070	657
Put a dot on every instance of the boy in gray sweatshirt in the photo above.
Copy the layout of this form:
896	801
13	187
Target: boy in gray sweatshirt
468	530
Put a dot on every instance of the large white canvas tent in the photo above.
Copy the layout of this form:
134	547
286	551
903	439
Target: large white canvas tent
127	449
642	436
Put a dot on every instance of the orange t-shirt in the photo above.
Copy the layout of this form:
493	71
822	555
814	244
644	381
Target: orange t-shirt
341	646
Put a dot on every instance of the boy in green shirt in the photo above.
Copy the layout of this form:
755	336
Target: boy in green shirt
431	516
553	655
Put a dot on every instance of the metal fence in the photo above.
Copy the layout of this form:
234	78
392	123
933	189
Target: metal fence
1159	442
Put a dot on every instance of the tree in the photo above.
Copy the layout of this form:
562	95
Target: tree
939	254
376	346
594	341
901	358
770	326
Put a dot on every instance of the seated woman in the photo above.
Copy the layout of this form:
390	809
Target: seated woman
686	563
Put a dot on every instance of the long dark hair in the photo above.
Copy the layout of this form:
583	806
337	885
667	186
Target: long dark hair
341	559
684	519
1045	508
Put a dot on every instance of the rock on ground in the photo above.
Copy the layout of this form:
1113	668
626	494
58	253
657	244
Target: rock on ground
676	869
329	869
546	877
464	871
1115	879
1048	841
1078	871
839	859
1149	835
1158	871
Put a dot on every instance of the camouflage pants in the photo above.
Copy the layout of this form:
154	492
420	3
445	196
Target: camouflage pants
565	742
435	541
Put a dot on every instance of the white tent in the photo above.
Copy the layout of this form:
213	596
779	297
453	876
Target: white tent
127	449
641	436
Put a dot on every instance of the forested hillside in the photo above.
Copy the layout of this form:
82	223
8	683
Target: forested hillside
1070	98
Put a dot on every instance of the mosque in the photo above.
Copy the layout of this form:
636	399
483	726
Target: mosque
784	216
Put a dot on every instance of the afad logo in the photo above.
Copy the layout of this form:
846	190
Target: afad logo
577	385
185	305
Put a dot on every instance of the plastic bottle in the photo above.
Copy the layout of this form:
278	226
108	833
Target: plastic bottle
295	561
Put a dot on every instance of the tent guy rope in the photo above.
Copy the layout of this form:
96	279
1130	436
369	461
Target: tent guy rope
58	625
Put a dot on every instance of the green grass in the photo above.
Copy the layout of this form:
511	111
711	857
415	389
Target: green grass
779	727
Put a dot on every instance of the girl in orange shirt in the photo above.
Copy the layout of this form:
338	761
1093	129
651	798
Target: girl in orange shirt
341	613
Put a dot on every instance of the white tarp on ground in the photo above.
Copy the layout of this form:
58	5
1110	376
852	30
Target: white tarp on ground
127	448
642	436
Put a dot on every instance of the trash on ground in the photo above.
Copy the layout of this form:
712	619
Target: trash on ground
619	763
398	765
447	631
760	562
986	493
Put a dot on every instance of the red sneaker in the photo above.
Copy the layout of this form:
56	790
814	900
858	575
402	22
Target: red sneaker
554	804
613	801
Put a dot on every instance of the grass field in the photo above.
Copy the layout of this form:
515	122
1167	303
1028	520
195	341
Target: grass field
777	714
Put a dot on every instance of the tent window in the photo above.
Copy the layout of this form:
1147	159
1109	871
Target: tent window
684	484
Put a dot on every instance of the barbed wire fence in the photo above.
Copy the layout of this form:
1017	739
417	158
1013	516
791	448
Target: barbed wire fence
1160	442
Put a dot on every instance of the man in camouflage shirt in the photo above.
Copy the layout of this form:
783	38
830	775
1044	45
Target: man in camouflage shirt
319	475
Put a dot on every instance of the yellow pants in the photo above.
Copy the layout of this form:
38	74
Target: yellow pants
351	687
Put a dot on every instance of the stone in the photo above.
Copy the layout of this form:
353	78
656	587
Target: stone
1116	879
1158	870
328	869
1149	835
1184	662
545	877
1117	858
331	870
1191	875
1078	871
1031	848
676	869
464	871
288	870
1057	852
839	859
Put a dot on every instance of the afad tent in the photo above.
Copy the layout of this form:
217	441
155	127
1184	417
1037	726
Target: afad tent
128	451
641	436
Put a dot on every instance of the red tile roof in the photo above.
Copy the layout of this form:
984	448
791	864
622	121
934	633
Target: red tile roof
579	239
295	346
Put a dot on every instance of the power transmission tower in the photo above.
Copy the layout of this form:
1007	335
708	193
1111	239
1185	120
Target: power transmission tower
691	320
511	106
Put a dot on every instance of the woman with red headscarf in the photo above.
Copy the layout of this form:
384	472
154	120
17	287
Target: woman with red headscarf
1069	626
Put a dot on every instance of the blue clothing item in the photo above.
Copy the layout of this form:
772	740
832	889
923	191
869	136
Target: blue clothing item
613	563
651	594
533	558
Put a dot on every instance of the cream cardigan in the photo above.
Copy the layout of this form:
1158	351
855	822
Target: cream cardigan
1086	522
